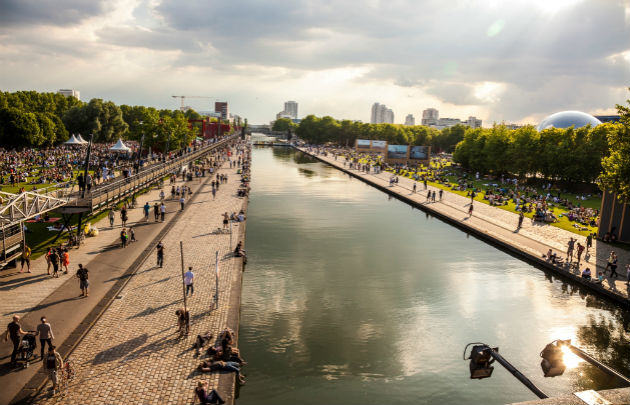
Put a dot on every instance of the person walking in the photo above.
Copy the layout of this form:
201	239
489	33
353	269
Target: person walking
612	262
226	220
123	238
470	210
589	241
183	321
123	215
26	258
54	260
160	254
48	262
156	212
146	208
65	260
52	364
520	219
82	275
441	192
14	330
570	247
132	235
580	250
182	201
189	280
162	195
45	333
111	218
162	211
414	187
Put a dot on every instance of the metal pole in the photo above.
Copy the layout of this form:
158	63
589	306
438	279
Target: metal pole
230	235
519	376
85	174
613	373
181	249
216	278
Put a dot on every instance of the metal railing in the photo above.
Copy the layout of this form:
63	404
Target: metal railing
119	188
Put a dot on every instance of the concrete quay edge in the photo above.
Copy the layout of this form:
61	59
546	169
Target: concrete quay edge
486	236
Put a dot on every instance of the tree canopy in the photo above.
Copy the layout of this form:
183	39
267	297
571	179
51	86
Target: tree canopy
616	166
32	119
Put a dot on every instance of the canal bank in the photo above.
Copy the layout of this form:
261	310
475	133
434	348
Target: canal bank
132	353
454	210
353	296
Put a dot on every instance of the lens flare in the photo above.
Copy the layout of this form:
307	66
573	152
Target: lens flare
570	359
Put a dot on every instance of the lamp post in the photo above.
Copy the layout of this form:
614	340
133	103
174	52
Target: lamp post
553	365
85	175
482	356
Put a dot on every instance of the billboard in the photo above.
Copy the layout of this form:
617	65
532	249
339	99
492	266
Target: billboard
419	152
397	151
378	144
363	143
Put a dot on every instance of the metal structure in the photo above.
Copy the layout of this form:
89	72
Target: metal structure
182	98
27	205
18	208
482	356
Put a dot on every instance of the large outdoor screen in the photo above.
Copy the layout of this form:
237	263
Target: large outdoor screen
397	151
363	143
419	152
378	144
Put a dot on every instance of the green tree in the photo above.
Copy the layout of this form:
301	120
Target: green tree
19	128
282	125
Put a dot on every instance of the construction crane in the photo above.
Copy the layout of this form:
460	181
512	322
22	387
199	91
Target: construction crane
183	107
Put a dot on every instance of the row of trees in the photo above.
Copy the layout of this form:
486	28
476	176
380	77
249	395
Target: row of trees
327	129
571	154
32	119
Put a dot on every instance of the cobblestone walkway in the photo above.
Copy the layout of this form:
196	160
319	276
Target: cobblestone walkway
21	292
133	354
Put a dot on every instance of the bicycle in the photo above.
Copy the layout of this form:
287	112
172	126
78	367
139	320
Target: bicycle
66	375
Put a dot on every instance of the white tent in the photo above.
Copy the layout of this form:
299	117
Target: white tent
73	141
81	139
120	147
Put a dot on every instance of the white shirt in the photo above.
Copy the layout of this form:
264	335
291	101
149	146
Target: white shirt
188	277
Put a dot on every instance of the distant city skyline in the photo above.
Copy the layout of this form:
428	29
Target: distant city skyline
517	61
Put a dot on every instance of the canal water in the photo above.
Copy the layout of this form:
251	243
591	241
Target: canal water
351	297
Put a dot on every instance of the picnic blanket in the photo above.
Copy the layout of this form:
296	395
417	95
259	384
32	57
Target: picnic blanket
49	220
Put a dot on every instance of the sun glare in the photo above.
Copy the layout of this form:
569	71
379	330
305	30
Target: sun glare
570	359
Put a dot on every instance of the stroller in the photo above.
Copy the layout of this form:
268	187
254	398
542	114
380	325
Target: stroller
26	349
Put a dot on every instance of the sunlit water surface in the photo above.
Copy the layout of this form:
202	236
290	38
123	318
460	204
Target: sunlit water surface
352	297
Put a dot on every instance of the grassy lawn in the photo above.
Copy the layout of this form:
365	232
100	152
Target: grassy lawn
41	238
8	188
593	202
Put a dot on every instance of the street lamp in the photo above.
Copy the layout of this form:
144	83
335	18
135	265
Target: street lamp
480	366
553	364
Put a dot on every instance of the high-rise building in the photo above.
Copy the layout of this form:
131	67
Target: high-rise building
291	108
381	114
473	122
70	93
430	116
410	120
221	107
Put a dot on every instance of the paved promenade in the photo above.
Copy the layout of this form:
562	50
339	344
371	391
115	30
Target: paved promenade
533	239
133	354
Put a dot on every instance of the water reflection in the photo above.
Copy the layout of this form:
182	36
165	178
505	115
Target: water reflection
351	298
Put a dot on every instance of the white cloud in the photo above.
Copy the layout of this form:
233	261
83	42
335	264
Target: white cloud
499	60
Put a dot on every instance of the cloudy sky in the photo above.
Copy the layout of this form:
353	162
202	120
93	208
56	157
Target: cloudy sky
500	60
